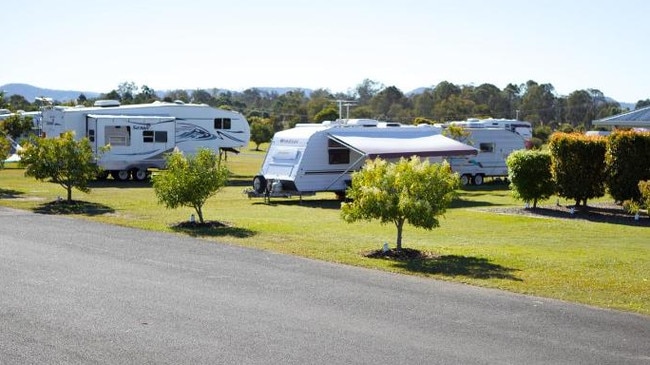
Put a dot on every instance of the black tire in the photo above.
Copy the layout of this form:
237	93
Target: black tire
140	174
121	175
259	184
465	179
478	180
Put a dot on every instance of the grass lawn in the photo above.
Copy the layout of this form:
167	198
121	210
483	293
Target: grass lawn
600	264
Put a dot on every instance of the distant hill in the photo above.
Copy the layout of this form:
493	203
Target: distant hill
30	92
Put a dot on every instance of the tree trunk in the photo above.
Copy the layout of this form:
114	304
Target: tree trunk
69	193
199	212
399	224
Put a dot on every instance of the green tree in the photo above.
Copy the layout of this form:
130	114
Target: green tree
329	113
5	148
628	162
61	160
261	131
16	125
578	166
639	104
190	180
530	175
410	191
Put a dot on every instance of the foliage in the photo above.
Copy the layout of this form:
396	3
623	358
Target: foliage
410	191
190	180
578	166
61	160
16	125
530	101
328	113
261	131
529	172
644	188
5	148
542	132
628	162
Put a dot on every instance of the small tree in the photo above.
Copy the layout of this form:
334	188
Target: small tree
261	131
5	148
16	124
529	172
410	190
190	181
62	160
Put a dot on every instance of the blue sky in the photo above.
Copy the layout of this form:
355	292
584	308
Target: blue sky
334	44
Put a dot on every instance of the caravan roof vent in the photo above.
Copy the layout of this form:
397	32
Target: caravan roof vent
362	122
106	103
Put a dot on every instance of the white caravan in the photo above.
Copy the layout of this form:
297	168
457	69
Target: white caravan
140	135
312	158
495	140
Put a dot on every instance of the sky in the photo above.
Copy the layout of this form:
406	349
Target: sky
334	44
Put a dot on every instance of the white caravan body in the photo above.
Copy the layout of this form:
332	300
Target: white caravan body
495	144
314	158
140	135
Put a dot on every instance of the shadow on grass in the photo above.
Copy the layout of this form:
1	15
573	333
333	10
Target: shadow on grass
73	207
211	229
244	181
312	203
10	193
598	214
447	265
128	184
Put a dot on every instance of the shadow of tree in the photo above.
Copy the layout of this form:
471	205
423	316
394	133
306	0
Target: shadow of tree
312	203
110	183
211	229
10	193
73	207
447	265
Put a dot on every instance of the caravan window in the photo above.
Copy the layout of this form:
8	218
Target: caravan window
222	123
338	154
486	147
118	135
154	136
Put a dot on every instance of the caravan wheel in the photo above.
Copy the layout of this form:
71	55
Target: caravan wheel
140	174
259	184
121	175
478	180
465	179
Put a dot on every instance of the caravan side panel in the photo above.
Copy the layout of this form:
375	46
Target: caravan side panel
494	145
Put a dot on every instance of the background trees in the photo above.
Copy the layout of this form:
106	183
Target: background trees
535	102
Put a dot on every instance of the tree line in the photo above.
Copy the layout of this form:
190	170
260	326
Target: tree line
535	102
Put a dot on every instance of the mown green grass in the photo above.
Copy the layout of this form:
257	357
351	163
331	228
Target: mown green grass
605	265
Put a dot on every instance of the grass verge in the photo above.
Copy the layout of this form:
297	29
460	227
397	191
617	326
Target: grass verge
599	264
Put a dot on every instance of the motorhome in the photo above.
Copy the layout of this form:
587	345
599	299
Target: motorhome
140	135
314	158
495	140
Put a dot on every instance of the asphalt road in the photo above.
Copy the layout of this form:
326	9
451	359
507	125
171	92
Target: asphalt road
77	292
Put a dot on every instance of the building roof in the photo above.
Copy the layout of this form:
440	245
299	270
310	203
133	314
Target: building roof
635	118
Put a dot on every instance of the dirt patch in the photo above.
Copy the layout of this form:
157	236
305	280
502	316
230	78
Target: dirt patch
199	225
